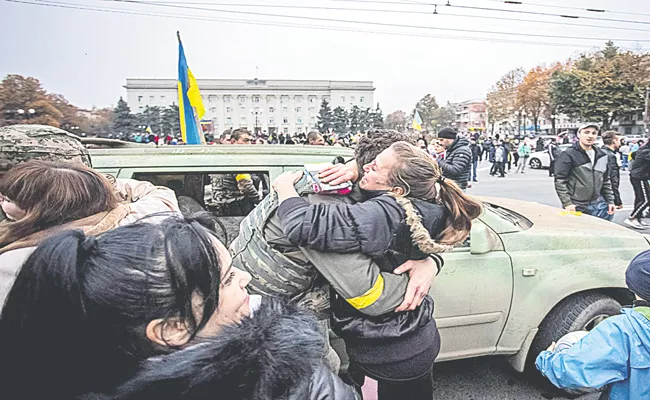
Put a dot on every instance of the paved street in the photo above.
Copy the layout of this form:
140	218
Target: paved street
491	377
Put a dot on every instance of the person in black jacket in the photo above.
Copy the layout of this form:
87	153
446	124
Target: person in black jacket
612	142
477	152
458	160
109	303
413	212
639	176
552	155
582	180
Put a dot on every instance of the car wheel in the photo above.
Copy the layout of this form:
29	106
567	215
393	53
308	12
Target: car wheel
580	312
535	163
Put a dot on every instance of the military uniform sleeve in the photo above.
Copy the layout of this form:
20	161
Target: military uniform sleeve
358	279
246	186
367	227
562	172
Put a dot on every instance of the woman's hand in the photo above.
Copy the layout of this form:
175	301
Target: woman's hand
421	276
283	185
339	173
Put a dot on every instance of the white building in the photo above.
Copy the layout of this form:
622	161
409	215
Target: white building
285	106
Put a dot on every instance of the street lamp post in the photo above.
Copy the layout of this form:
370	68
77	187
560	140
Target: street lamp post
257	121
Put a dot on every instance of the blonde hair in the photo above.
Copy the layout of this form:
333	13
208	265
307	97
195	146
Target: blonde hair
420	177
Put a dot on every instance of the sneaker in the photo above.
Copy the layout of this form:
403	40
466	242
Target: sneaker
642	223
633	223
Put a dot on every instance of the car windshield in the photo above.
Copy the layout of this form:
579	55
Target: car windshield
514	218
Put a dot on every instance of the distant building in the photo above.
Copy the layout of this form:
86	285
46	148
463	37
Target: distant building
630	123
283	106
471	116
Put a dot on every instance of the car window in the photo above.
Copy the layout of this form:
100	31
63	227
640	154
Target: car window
229	196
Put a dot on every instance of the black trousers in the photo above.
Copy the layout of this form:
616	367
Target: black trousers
641	197
551	168
516	156
500	168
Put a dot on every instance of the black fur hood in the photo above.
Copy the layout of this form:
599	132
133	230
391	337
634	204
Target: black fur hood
277	354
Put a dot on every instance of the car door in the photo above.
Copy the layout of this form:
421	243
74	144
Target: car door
472	296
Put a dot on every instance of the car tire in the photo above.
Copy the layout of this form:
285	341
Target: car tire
535	163
581	311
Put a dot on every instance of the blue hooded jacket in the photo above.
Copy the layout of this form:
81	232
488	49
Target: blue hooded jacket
616	352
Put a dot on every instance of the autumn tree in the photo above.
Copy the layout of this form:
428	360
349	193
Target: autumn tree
443	117
427	107
325	117
24	101
603	85
396	120
502	97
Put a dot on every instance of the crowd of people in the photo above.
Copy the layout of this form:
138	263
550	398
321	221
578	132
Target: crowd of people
109	292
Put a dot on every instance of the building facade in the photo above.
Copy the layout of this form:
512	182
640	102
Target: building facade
262	106
471	116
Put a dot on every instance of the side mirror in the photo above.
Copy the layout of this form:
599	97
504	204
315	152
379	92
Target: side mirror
481	238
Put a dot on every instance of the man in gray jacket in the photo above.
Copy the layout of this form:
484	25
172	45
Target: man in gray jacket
582	178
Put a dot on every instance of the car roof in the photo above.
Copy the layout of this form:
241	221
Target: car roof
215	155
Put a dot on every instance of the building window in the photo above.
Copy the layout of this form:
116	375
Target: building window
285	120
242	120
271	121
213	110
299	99
312	99
313	120
271	109
215	121
256	99
257	110
312	109
141	108
228	120
152	98
212	98
342	99
242	99
226	99
285	109
228	109
285	130
270	99
326	98
139	99
299	120
351	99
298	109
284	99
163	98
361	99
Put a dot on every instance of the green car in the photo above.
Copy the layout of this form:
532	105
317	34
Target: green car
528	274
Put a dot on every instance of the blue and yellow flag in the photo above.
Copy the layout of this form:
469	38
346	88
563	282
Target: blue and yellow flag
417	122
190	103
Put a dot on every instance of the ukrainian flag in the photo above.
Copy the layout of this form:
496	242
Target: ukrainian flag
190	103
417	122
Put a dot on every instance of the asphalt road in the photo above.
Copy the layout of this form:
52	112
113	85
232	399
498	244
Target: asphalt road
492	377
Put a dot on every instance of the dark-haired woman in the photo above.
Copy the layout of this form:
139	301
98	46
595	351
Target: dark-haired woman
160	302
42	198
413	212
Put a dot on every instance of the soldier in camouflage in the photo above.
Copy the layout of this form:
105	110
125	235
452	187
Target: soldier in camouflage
20	143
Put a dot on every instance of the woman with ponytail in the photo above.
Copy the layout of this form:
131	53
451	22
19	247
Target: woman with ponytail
152	310
412	212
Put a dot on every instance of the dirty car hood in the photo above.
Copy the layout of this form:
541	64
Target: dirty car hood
554	228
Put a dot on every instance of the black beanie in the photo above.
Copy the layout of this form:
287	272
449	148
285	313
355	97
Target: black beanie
637	276
447	133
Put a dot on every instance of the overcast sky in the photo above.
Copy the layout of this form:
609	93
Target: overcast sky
87	55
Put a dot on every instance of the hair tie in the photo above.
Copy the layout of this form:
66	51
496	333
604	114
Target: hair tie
89	244
441	179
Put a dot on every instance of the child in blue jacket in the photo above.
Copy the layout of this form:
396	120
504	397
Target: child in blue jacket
616	352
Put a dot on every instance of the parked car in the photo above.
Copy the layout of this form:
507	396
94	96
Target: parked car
527	274
541	159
